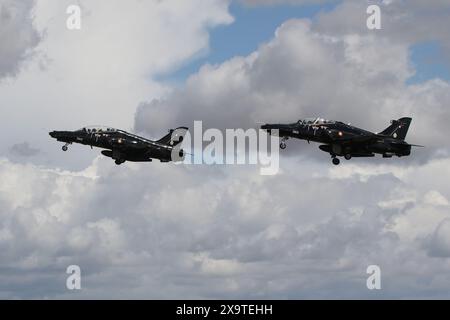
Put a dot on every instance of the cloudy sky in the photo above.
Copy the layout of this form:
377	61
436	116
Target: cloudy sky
160	230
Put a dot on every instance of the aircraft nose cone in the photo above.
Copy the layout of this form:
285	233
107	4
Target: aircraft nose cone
52	134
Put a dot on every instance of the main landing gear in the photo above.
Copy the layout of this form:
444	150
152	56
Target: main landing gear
283	143
335	160
65	147
119	161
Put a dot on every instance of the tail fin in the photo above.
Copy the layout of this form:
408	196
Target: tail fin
174	137
398	128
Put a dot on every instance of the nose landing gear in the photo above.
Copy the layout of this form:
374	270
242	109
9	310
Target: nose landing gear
65	147
283	143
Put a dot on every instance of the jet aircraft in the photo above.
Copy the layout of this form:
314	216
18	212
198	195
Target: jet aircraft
124	146
341	139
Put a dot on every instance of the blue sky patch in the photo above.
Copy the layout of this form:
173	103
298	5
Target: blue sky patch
252	27
429	62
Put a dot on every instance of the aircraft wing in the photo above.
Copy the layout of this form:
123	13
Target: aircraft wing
128	144
343	137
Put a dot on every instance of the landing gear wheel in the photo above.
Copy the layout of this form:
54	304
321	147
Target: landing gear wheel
119	161
336	161
283	143
65	148
347	156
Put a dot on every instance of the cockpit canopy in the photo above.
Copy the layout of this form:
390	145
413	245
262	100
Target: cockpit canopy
97	129
314	121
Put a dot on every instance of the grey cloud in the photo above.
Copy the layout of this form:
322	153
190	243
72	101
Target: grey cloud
242	236
17	35
23	150
403	21
438	244
278	2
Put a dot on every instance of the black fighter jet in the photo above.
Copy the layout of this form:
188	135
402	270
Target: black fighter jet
340	139
123	146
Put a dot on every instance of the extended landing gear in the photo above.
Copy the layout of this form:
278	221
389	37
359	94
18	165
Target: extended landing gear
65	147
347	156
283	143
119	161
335	160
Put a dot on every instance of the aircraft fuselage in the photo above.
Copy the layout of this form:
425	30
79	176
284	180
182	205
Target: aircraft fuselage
120	145
340	139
